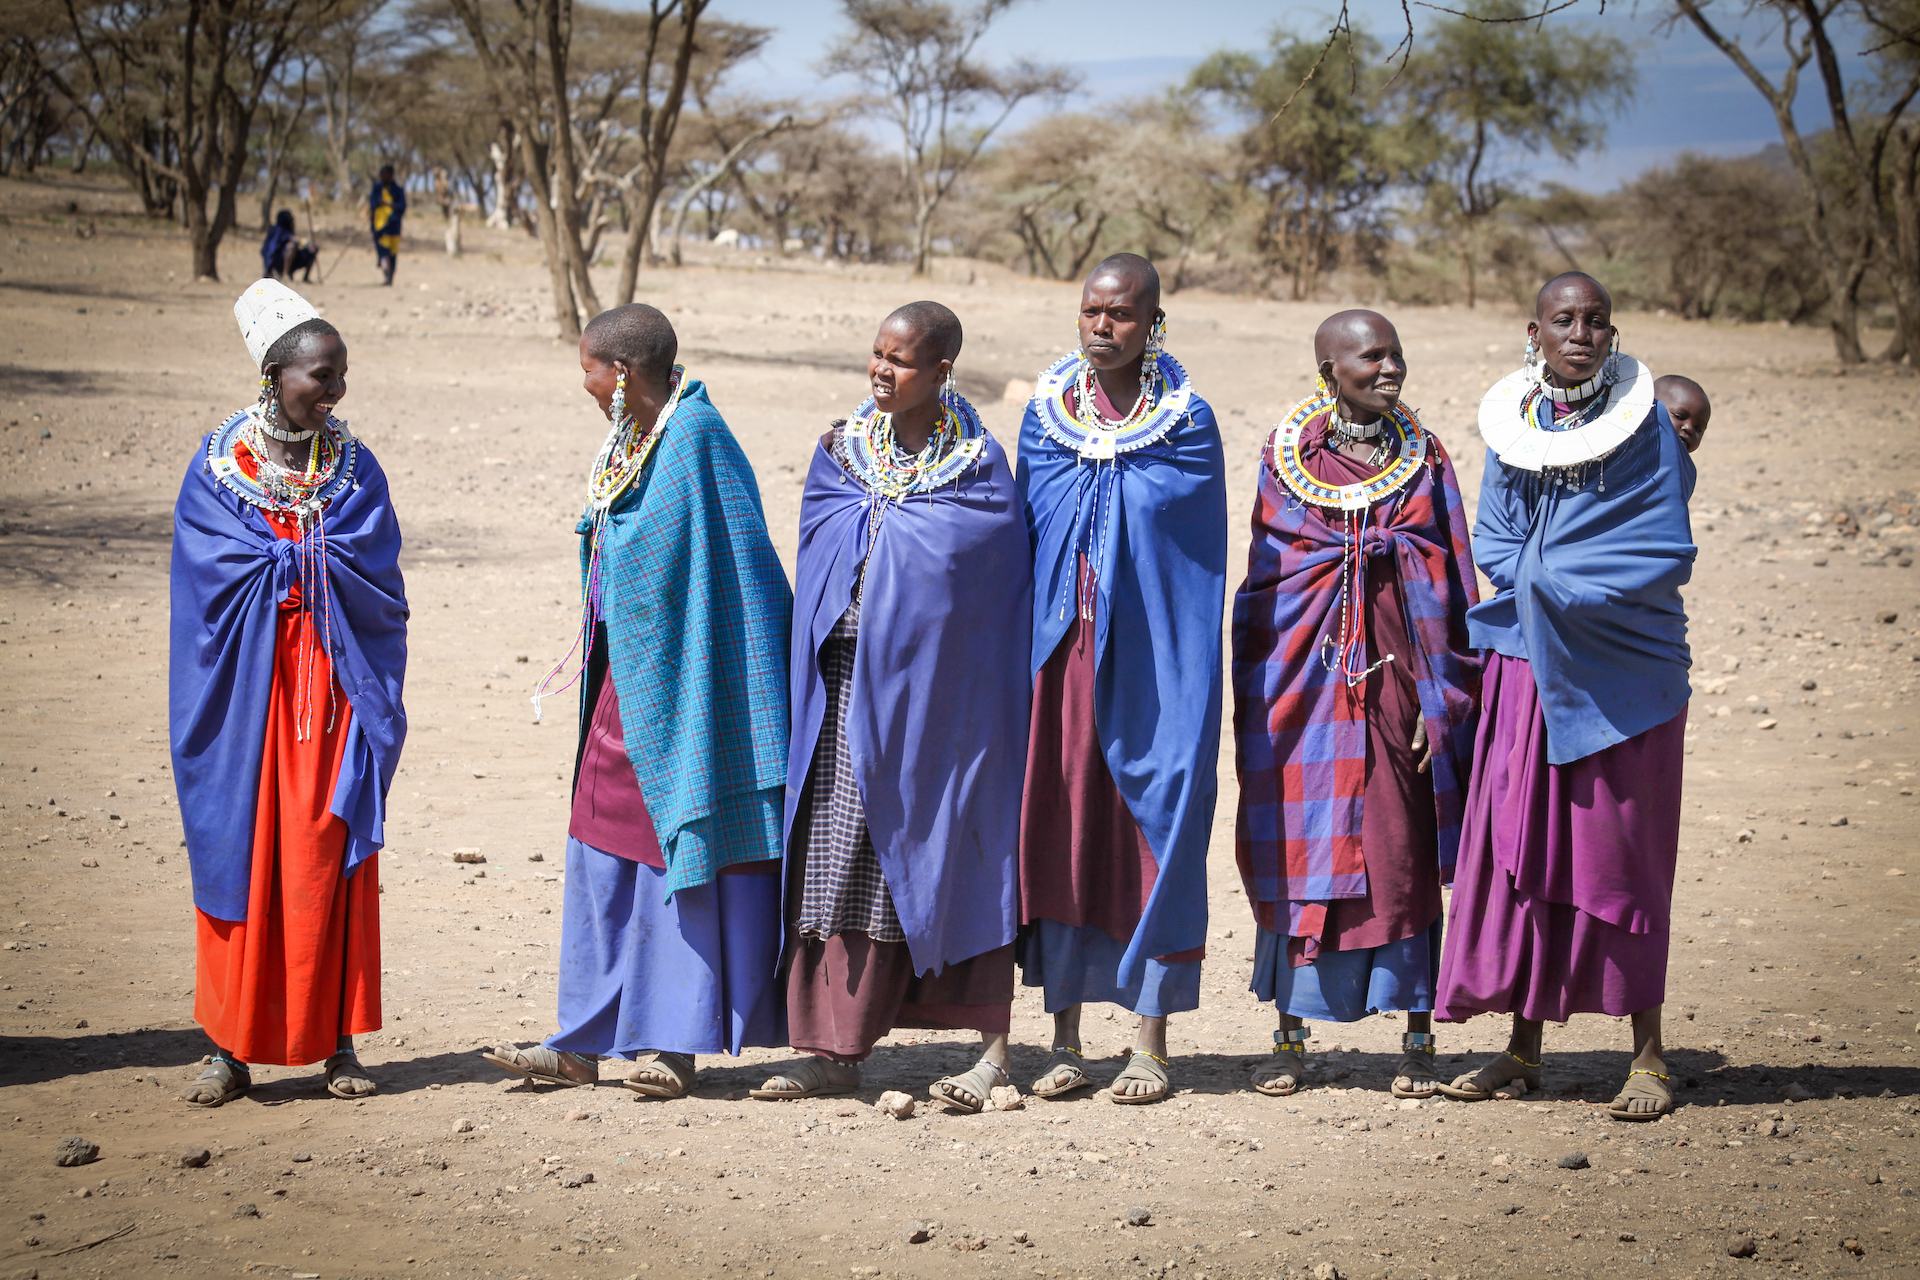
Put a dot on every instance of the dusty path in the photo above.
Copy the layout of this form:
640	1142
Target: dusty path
1794	955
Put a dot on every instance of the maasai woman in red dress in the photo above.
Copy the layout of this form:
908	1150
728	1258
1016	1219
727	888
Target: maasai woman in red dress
288	651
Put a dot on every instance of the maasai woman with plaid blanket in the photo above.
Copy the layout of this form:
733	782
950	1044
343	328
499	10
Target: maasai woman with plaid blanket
1563	898
1125	487
671	928
909	684
1354	688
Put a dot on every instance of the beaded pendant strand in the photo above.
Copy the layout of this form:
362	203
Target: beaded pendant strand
621	459
299	495
1402	451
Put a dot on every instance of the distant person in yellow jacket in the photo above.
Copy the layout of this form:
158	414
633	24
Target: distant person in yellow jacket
386	206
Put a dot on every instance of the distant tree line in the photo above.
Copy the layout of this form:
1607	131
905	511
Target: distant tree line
1309	167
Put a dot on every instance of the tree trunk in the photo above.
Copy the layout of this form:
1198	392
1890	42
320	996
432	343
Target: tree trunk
1903	275
566	174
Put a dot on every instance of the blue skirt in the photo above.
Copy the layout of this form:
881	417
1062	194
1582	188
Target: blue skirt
694	975
1346	986
1080	965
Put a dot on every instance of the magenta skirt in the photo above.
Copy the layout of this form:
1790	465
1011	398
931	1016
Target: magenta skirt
1562	898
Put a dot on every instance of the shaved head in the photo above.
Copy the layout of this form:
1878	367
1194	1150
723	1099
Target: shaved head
935	325
1134	273
1567	277
637	336
1355	330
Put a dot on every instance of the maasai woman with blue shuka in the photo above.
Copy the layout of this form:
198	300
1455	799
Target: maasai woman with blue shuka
1354	689
288	650
670	932
386	210
1124	481
1562	899
909	680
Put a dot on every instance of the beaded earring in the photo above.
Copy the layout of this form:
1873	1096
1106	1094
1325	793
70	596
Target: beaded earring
1533	353
617	408
269	403
949	394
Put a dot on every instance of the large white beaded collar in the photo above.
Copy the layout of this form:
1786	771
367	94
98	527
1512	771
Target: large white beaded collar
1507	419
1084	433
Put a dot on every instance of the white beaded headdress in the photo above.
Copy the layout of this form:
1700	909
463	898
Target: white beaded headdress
266	311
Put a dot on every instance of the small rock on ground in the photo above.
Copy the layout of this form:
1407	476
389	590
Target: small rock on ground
1138	1217
1326	1271
1004	1097
1741	1247
578	1115
248	1210
1574	1160
196	1158
895	1103
75	1151
917	1233
463	1125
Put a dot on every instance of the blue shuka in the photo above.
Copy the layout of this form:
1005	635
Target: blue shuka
1153	524
228	575
1587	588
937	722
696	608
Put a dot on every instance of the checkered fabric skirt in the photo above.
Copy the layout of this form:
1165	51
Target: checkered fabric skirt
844	890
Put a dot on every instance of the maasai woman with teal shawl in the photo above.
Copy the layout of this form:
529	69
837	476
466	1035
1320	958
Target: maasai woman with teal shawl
671	928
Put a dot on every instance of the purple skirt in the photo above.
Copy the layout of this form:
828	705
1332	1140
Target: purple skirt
1563	894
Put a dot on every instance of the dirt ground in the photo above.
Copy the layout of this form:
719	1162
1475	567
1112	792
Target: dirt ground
1793	985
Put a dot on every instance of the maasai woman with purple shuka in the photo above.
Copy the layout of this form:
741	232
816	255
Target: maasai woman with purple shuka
287	657
909	686
1563	894
1354	690
1124	482
671	928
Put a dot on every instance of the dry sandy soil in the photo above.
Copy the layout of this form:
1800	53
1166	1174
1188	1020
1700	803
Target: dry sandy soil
1793	985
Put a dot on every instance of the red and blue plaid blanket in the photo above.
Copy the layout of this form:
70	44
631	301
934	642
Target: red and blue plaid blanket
1300	731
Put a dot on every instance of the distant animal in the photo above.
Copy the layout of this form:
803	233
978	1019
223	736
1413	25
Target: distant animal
727	238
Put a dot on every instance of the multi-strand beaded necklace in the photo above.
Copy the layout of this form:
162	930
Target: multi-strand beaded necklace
890	477
1402	450
299	495
621	459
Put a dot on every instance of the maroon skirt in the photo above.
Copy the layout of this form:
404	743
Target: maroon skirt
1563	894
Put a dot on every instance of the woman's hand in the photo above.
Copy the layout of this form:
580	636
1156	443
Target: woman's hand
1421	746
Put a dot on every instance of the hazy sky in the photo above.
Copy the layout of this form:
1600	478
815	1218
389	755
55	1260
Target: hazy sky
1690	96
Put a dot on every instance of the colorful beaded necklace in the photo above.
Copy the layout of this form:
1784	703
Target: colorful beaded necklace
874	458
1292	472
621	459
301	496
1344	651
1164	395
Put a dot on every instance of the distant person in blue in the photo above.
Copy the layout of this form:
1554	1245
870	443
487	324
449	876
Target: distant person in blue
385	208
282	253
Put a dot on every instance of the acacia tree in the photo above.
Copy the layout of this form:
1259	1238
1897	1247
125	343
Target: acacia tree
1877	148
522	46
917	58
1318	150
1492	80
174	86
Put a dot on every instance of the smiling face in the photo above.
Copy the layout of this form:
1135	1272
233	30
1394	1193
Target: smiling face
1574	329
599	377
311	382
902	372
1115	321
1362	361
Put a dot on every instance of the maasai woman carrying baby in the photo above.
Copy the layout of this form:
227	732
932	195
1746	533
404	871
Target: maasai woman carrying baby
1563	896
909	687
288	649
1354	688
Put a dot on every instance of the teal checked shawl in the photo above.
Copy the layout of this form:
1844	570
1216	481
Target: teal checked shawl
697	610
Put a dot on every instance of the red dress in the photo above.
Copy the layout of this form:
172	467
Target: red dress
303	968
